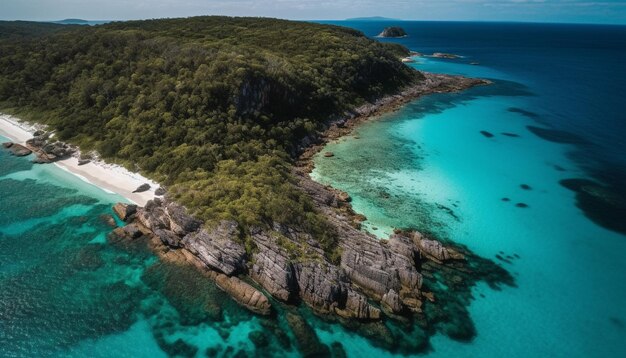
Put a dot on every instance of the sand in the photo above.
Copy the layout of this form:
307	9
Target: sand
108	177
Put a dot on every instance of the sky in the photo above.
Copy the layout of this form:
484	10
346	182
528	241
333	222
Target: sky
576	11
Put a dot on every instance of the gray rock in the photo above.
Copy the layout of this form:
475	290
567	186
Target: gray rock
142	188
168	238
179	221
244	294
434	250
124	211
391	301
218	248
272	268
17	150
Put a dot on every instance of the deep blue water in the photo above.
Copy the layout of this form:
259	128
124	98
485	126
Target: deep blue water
532	165
67	291
573	72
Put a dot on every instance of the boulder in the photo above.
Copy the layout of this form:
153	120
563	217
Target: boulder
434	250
391	301
124	211
160	191
108	219
18	150
324	288
244	294
142	188
153	215
130	231
83	161
218	248
7	144
168	238
179	222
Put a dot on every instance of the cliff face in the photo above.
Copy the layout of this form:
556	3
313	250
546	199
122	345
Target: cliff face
409	277
288	263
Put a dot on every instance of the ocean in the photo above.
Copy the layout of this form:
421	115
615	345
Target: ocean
528	172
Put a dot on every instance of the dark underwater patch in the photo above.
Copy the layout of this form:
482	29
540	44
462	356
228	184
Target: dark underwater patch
521	205
557	136
487	134
524	112
617	322
510	134
605	205
525	187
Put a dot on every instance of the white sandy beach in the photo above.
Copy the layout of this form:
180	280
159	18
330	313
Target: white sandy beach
108	177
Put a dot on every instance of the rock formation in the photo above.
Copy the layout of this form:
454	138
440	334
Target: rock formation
393	31
17	150
373	275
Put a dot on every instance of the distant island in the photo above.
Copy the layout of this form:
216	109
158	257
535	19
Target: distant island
373	19
72	21
80	22
393	31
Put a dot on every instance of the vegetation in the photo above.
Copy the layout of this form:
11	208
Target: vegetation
213	107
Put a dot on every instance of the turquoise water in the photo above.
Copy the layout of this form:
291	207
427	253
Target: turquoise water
429	166
66	291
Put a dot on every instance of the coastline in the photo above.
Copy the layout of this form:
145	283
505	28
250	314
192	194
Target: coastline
433	83
109	177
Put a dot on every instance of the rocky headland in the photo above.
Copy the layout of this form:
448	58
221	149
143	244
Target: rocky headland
411	279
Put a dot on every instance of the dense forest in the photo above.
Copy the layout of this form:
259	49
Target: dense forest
212	107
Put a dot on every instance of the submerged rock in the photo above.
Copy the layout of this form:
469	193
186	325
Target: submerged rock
17	150
307	341
259	339
108	219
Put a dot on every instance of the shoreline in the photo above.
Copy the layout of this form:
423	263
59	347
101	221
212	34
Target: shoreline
304	165
111	178
432	84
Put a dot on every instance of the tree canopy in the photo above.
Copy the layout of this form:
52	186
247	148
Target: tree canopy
213	107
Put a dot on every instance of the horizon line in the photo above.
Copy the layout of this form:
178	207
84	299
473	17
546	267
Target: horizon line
360	18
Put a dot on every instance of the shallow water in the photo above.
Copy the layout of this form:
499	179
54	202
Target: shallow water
429	166
65	291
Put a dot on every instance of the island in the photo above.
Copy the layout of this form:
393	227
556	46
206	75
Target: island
226	115
393	31
373	19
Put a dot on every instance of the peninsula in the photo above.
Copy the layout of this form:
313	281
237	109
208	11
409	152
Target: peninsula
226	113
